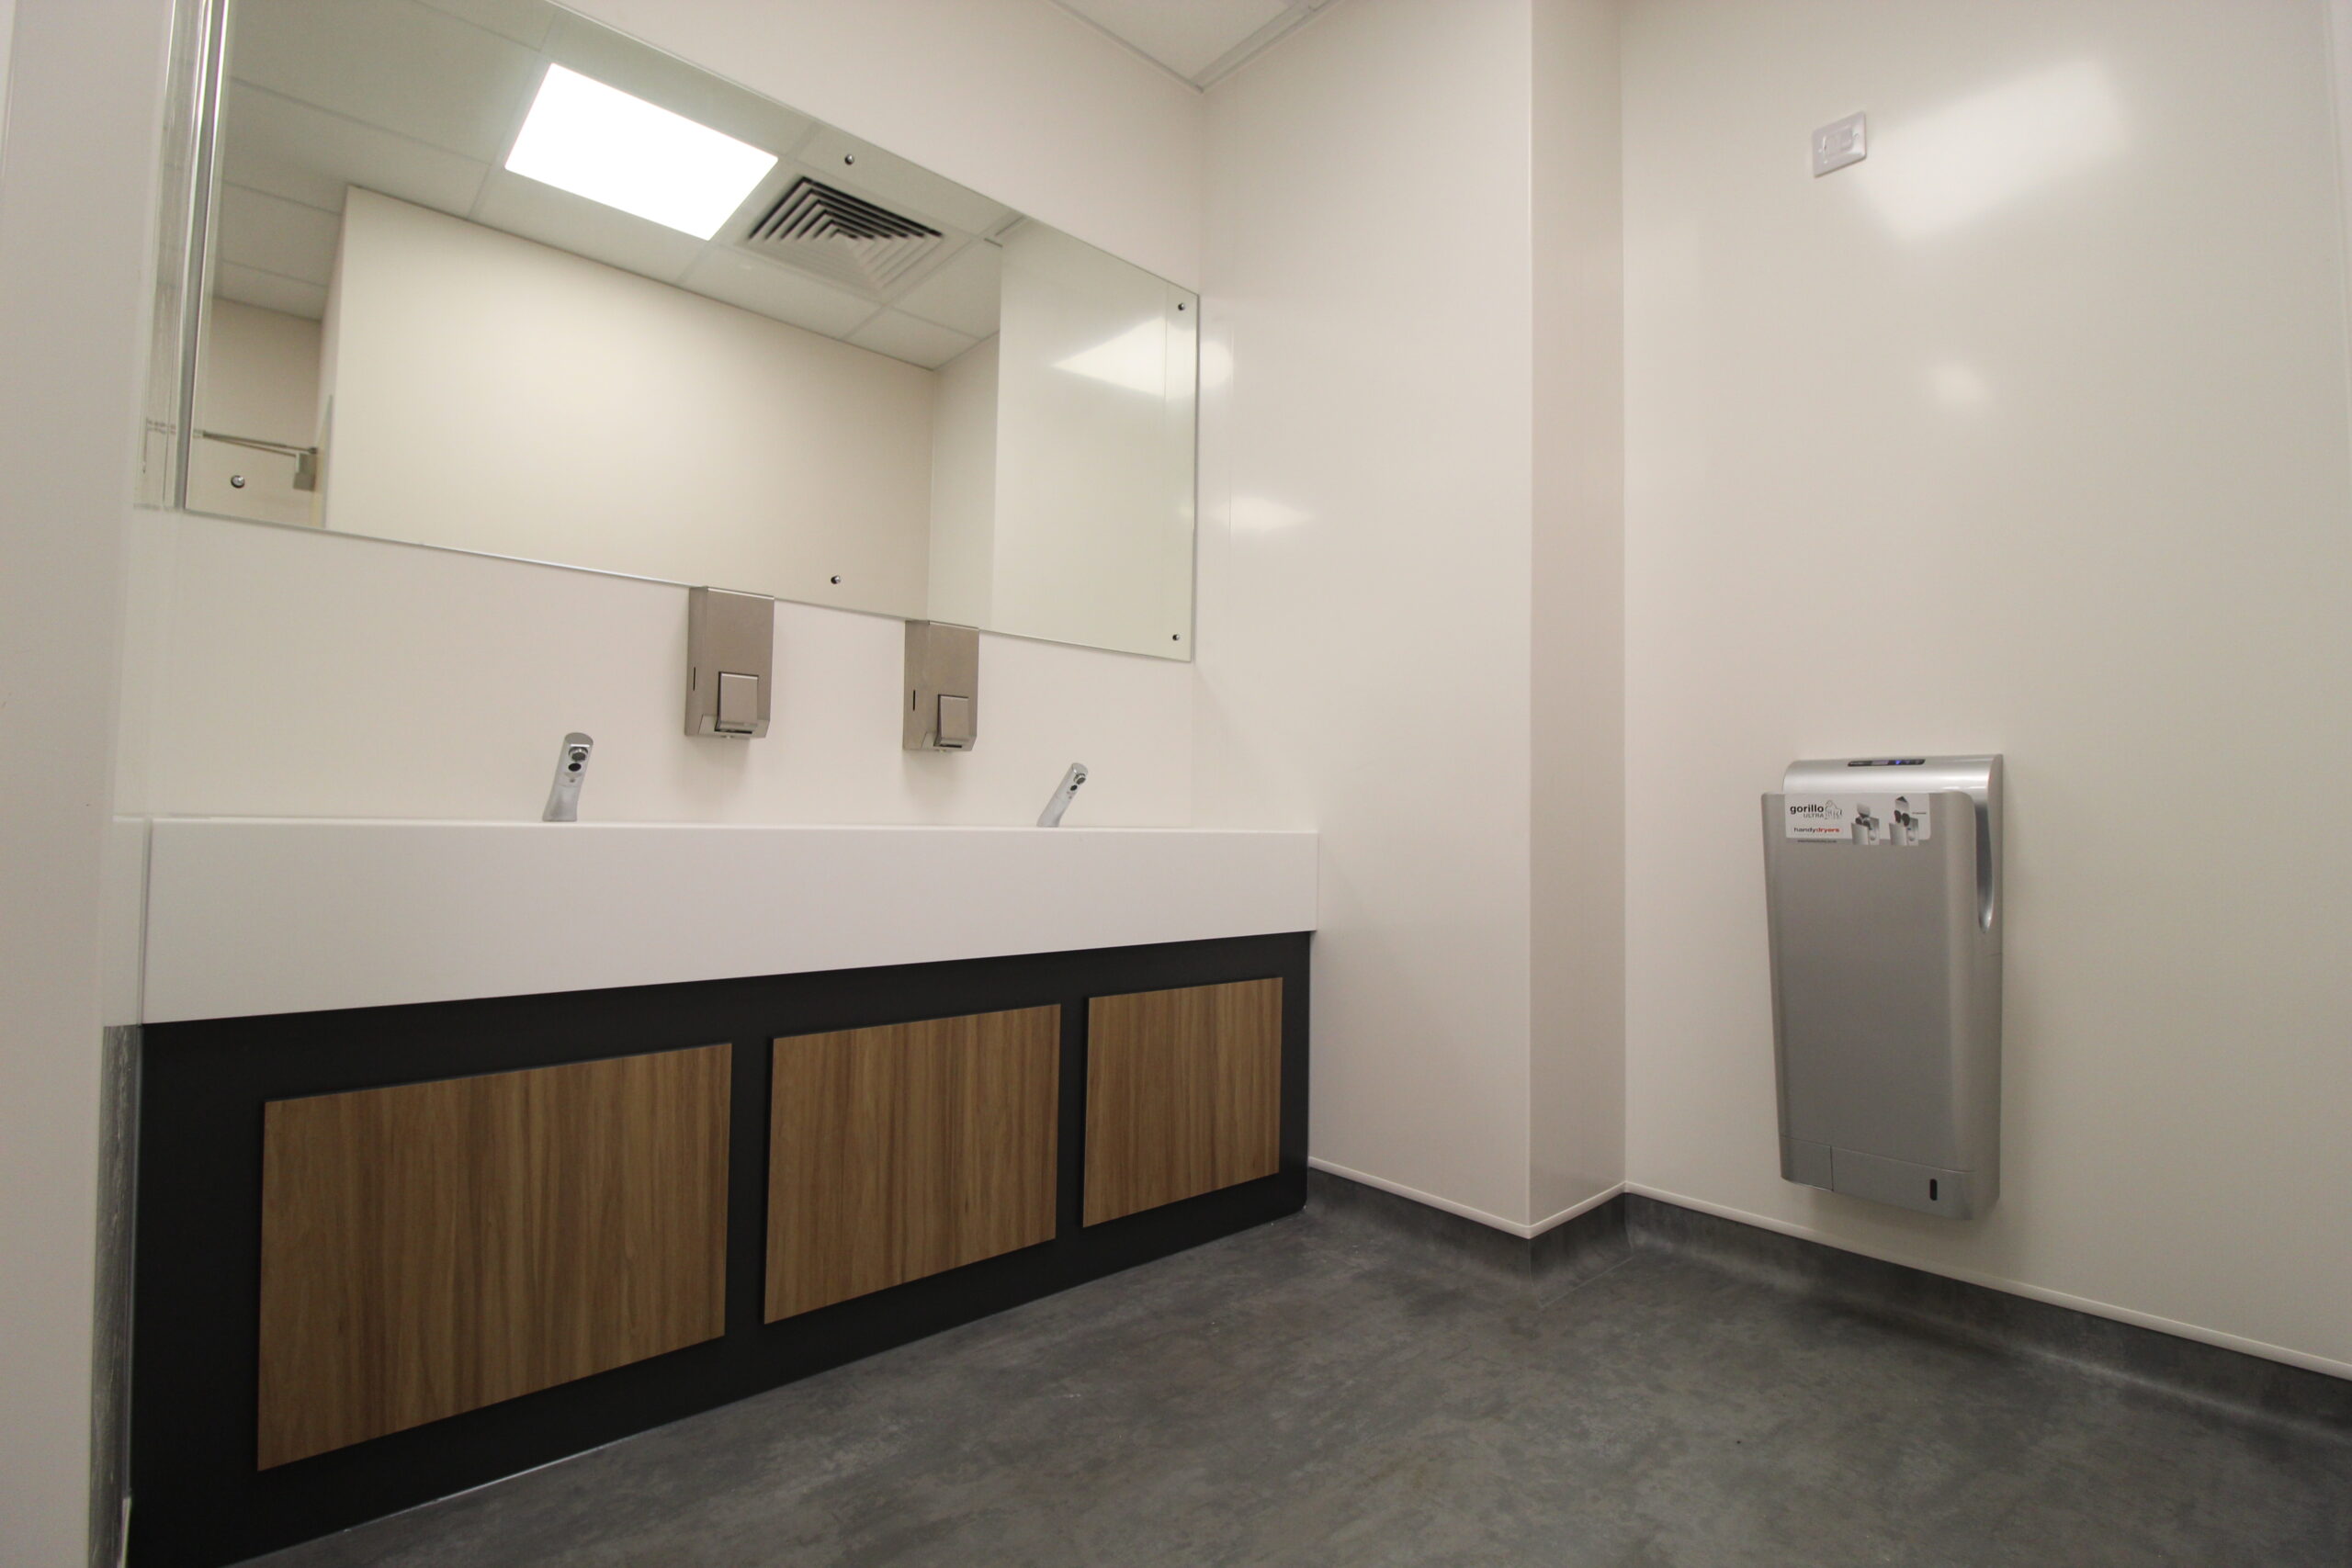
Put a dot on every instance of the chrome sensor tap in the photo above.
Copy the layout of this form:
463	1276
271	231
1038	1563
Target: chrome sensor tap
563	794
1063	793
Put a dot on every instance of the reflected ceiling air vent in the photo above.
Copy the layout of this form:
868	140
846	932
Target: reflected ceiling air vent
840	236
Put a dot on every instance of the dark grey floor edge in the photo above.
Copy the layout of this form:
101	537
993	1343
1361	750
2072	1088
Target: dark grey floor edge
2187	1366
1599	1238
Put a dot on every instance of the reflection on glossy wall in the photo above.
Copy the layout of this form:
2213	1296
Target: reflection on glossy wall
258	408
2025	435
526	349
1094	539
493	394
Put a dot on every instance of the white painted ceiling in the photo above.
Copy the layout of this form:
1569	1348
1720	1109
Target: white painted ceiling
1198	40
420	99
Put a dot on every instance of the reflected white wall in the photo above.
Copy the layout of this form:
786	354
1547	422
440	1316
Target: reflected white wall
261	383
1096	396
963	487
494	394
457	674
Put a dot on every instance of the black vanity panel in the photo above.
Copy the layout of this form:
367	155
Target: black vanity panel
198	1499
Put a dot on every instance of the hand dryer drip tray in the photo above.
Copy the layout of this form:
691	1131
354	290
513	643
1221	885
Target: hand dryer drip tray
1950	1194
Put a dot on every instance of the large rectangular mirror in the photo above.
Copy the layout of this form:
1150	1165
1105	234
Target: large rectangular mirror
484	275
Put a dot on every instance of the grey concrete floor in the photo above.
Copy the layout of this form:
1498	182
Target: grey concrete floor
1323	1392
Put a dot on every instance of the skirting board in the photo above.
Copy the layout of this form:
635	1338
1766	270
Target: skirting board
1493	1221
1633	1223
2165	1325
1566	1254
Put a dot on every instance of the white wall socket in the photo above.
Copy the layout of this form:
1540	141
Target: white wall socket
1835	146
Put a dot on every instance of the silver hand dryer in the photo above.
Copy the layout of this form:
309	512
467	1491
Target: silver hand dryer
1883	879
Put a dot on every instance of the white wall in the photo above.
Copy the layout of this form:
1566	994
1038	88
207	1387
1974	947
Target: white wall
1576	1063
495	394
76	207
7	35
1364	618
2036	421
1410	606
379	680
461	673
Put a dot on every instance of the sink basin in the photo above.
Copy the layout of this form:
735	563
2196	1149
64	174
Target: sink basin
247	916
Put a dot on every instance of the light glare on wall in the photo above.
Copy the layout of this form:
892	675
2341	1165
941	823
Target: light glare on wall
1264	514
600	142
1958	385
1135	359
1217	365
1957	162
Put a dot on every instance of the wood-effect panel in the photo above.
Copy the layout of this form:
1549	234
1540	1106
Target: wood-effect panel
435	1247
1183	1094
202	1504
909	1150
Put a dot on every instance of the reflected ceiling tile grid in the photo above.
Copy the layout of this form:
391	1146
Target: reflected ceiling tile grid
420	100
310	155
727	275
527	22
964	294
569	222
277	235
902	336
394	63
251	286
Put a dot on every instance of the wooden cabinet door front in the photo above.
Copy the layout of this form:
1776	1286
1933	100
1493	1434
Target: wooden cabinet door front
433	1247
1183	1094
908	1150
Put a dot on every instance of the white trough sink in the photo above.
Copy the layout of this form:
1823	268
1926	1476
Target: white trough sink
248	916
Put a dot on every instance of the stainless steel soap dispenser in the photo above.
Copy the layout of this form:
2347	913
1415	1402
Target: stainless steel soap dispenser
730	653
1883	880
943	708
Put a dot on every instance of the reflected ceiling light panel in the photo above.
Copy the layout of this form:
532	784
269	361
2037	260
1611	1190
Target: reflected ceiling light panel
1958	385
600	142
1135	359
1959	163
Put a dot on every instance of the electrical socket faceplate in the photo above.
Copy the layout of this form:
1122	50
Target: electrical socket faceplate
1835	146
